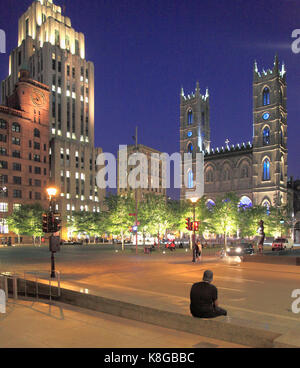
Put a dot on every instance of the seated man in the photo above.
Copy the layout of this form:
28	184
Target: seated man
204	298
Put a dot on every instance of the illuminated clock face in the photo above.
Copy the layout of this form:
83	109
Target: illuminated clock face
38	98
266	116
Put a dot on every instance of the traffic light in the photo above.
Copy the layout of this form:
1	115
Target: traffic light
51	222
45	223
196	225
189	224
57	223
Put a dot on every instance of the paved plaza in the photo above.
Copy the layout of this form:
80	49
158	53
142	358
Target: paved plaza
258	294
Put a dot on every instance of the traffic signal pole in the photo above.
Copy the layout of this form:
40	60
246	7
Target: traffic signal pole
194	233
52	225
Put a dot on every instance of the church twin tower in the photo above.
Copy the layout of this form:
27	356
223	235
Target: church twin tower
256	171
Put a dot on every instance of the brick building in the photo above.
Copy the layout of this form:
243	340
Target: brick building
24	148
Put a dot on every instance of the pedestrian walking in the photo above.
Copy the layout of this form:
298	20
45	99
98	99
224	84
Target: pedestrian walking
199	251
261	232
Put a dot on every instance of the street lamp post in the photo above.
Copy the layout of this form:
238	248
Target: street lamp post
281	223
194	201
52	193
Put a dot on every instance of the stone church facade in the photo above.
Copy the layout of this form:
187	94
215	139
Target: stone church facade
255	171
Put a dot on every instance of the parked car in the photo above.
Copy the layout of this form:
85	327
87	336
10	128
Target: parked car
282	243
239	249
71	242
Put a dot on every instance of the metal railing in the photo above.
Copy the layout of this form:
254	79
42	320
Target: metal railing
27	278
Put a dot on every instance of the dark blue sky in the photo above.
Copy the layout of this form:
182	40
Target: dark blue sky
145	50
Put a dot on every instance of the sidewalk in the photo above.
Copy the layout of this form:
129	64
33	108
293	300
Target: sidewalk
31	324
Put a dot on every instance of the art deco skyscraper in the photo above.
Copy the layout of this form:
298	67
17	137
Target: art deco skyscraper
54	54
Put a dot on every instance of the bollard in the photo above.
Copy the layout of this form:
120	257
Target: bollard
15	286
58	283
5	287
2	302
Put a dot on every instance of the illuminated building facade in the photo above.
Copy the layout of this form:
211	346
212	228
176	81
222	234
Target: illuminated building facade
55	55
257	171
151	179
24	147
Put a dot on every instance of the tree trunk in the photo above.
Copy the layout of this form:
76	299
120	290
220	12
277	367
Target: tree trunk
122	235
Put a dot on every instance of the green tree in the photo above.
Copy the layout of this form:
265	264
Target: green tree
118	219
87	223
225	215
153	214
27	220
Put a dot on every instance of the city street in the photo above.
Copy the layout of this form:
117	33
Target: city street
258	294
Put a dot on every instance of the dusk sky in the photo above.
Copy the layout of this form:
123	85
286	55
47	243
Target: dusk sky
145	50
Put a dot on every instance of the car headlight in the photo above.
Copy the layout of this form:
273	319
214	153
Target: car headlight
238	250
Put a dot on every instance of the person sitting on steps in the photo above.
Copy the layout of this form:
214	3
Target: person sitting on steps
204	298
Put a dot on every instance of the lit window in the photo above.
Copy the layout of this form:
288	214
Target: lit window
3	226
3	207
190	117
190	179
266	96
16	128
266	170
266	136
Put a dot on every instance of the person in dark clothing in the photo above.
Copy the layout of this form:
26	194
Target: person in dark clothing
204	298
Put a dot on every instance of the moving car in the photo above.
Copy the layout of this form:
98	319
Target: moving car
282	243
239	249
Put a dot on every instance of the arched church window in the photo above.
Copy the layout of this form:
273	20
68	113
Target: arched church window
245	202
266	169
209	176
190	148
266	136
190	117
245	172
190	179
266	203
266	96
226	175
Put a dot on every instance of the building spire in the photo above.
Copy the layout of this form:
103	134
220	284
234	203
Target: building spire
255	66
206	93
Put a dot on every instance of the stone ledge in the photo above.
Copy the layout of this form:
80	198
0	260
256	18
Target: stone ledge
283	260
220	328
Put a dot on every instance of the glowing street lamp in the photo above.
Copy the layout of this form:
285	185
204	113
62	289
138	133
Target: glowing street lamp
51	192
